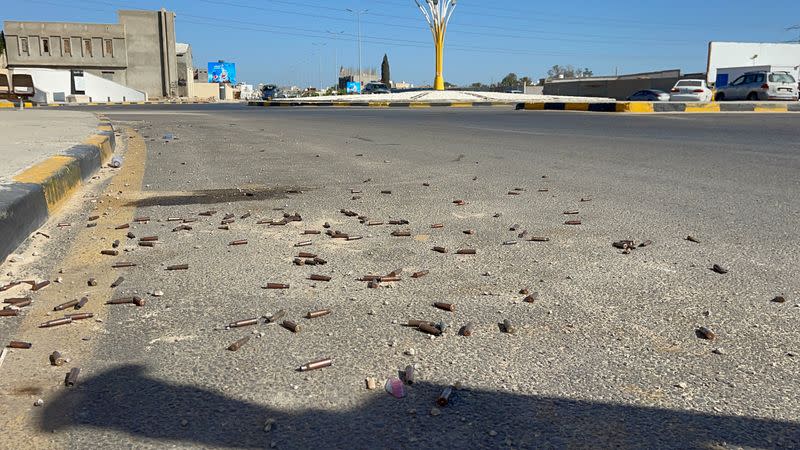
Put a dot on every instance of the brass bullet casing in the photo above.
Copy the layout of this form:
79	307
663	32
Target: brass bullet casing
467	251
229	216
646	243
117	282
306	255
276	286
437	225
276	317
20	304
586	199
20	345
314	365
66	305
174	219
182	228
178	267
298	262
532	298
320	261
445	306
224	227
354	238
243	323
115	244
440	249
207	213
150	244
513	227
56	359
509	242
692	239
468	329
123	226
72	377
430	329
9	313
459	202
373	223
142	219
122	265
291	326
389	279
227	221
317	313
416	323
64	224
82	302
408	375
239	242
779	299
316	277
238	344
55	323
419	274
92	282
401	233
539	239
303	244
508	327
571	212
719	269
386	192
40	285
80	316
444	397
245	216
399	222
513	193
706	333
190	220
135	300
572	222
14	301
469	232
312	232
130	235
149	239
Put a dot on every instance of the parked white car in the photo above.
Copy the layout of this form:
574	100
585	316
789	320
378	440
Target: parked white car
690	91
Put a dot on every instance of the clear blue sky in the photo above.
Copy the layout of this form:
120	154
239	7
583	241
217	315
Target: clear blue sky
296	42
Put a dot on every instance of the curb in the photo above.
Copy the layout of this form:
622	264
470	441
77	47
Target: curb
9	105
40	190
383	104
662	107
70	105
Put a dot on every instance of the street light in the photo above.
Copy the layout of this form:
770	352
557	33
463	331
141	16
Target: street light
358	19
438	16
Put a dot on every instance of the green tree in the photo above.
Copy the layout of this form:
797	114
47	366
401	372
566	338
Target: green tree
386	77
449	85
525	81
510	80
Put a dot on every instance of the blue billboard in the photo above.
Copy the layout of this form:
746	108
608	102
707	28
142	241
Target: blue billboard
222	72
353	87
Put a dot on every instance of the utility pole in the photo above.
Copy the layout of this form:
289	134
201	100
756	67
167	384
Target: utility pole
358	20
438	16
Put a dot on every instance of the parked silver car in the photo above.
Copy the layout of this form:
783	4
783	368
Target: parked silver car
760	85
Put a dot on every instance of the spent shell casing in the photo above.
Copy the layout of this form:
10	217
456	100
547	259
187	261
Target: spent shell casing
373	223
408	375
401	233
72	377
122	265
228	216
373	285
141	219
40	285
245	216
779	299
317	313
303	244
9	313
277	316
386	192
444	397
91	224
459	202
513	193
149	239
238	344
115	244
532	298
716	268
306	255
291	326
178	267
354	238
706	333
316	277
437	225
572	222
420	274
82	302
20	345
92	282
243	323
571	212
110	252
135	300
174	219
298	262
513	227
646	243
310	262
430	329
539	239
14	301
182	228
467	251
445	306
207	213
312	232
56	359
239	242
314	365
389	279
130	235
66	305
320	261
190	220
80	316
21	303
395	273
123	226
55	323
468	329
508	327
150	244
509	242
440	249
227	222
276	286
224	227
416	323
692	239
117	282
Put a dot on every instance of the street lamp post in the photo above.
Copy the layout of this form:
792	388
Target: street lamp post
438	16
358	19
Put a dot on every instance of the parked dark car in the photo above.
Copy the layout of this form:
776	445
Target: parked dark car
649	95
269	92
377	88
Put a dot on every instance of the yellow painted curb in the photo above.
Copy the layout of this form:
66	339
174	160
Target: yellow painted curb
635	107
702	108
58	176
341	104
461	105
419	105
576	107
378	104
771	108
534	106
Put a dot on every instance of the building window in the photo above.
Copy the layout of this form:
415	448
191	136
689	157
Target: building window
87	48
67	47
109	47
23	46
46	46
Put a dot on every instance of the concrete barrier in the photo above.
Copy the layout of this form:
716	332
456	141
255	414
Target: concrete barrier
664	107
405	104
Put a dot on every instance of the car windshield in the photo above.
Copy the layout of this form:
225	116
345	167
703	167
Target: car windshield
691	83
781	78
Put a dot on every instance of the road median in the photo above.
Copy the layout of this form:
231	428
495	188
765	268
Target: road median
662	107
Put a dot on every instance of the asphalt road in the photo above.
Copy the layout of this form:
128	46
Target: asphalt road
607	356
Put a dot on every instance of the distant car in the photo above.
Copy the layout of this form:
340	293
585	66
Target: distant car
514	91
649	95
269	92
760	85
690	91
377	88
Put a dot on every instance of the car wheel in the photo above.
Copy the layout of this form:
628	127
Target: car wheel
752	96
720	97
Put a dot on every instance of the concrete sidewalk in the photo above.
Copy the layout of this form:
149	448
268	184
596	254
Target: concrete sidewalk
31	136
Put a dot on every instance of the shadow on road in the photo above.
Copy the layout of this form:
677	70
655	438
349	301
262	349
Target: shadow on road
126	399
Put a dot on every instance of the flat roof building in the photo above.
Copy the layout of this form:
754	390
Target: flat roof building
139	52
